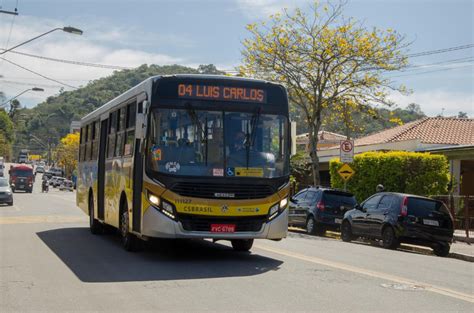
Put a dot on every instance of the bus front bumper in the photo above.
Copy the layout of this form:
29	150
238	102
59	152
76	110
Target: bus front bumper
156	224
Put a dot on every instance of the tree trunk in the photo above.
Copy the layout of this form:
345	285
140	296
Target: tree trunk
313	144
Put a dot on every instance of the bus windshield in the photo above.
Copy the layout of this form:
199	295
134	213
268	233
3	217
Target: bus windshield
190	142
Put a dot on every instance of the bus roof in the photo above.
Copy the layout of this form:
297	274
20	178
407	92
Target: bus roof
145	86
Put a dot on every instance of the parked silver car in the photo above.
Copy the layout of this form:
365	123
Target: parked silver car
6	195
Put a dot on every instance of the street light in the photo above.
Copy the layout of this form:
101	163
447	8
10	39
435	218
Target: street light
34	89
67	29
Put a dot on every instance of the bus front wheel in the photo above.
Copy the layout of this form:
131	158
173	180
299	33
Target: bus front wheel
129	241
242	244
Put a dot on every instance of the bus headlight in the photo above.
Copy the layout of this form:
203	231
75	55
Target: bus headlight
277	208
283	203
153	199
167	209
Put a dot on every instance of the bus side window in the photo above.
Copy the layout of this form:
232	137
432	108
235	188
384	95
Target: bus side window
130	129
112	133
87	143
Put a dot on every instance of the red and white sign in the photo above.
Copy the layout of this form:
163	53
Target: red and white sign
347	151
222	228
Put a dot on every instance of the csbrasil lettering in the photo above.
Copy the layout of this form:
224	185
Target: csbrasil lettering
222	93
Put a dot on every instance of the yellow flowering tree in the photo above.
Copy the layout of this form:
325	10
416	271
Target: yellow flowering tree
67	152
325	61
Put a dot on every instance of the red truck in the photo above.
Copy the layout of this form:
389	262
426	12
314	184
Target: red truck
21	178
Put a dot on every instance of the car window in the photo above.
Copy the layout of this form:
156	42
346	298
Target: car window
335	199
386	202
311	197
425	207
371	203
300	196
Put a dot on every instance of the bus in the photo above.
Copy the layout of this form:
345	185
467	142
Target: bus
188	156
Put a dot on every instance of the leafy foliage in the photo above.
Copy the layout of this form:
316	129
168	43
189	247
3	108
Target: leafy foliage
398	171
67	152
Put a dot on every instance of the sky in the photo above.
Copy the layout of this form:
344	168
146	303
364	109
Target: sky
192	32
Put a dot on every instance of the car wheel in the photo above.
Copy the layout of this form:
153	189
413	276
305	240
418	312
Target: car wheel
242	245
389	240
346	232
310	225
129	241
95	226
10	203
442	249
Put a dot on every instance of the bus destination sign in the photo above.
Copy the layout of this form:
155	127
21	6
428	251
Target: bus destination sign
224	93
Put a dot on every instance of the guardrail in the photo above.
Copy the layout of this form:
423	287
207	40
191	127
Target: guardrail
462	209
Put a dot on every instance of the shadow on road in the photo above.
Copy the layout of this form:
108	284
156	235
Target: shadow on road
102	258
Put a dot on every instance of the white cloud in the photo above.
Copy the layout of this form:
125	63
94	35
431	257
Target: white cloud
435	102
96	45
264	8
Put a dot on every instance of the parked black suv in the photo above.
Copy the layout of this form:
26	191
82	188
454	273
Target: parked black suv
319	209
396	217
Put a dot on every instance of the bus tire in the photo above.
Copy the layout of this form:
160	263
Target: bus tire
95	226
242	245
129	241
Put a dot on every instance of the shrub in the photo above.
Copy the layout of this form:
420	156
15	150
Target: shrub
398	171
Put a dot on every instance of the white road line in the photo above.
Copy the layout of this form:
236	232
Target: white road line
349	268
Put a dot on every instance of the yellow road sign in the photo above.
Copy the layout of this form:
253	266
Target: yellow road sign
346	172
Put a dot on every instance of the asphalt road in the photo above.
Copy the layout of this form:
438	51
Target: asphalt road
50	262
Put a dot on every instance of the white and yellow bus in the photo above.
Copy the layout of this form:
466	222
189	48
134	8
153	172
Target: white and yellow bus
188	156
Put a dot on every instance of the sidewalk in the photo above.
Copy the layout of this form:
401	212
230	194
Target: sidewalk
460	235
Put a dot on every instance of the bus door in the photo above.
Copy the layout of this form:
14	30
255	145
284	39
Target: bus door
101	169
138	165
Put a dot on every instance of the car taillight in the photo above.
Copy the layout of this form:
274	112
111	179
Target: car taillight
320	206
404	208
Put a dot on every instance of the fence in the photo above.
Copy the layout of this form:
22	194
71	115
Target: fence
462	209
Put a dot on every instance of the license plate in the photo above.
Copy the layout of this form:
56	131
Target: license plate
337	220
431	222
22	186
222	228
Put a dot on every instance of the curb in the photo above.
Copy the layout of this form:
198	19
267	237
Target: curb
428	251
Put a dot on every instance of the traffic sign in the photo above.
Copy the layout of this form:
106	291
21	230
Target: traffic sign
346	172
346	149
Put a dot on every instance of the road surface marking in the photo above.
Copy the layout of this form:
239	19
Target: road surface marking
39	219
349	268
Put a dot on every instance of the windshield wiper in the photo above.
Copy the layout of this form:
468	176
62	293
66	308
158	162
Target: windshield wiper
251	136
195	120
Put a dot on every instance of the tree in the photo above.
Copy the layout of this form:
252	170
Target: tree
67	152
462	114
15	105
325	61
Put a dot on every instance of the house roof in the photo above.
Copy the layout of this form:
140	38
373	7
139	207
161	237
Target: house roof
430	130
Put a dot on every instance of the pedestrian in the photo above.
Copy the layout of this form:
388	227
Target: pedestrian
379	188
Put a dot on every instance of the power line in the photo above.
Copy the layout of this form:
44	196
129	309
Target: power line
440	70
419	54
36	73
107	66
28	84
